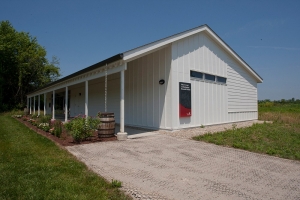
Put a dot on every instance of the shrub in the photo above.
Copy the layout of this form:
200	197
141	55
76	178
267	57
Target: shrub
44	126
17	116
45	118
81	128
25	118
51	130
33	122
16	112
56	128
34	116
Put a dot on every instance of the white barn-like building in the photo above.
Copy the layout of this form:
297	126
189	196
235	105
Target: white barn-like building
143	85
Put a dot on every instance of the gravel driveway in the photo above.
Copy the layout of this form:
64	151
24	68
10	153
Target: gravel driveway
165	167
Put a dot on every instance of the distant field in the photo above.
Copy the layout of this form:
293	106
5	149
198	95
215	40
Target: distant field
277	107
280	138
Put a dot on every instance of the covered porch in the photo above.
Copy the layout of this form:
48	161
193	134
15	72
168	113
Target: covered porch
77	94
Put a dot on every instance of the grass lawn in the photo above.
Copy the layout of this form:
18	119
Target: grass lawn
33	167
280	138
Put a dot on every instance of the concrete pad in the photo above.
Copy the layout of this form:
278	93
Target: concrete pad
122	136
164	167
134	132
144	134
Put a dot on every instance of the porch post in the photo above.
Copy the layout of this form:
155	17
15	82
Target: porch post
27	105
53	105
86	111
39	104
30	105
34	105
122	135
45	103
66	105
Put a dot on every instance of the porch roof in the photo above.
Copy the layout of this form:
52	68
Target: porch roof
85	70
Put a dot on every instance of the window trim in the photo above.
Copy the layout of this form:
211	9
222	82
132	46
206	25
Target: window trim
209	80
203	78
217	80
202	74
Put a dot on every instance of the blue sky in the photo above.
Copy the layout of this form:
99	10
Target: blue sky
266	34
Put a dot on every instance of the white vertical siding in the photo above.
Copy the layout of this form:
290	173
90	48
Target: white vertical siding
76	100
146	102
209	102
167	105
212	103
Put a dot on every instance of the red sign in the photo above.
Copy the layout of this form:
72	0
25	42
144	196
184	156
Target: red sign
185	102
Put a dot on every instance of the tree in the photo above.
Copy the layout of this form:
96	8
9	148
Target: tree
23	66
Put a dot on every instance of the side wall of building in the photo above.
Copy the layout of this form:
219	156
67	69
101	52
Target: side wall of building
212	103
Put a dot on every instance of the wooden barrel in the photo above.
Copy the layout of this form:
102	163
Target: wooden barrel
26	111
107	125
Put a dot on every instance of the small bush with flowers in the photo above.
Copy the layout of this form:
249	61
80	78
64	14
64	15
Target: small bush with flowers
45	118
25	118
44	126
81	127
33	122
17	116
57	127
51	130
34	116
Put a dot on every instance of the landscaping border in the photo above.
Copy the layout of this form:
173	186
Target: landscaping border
65	139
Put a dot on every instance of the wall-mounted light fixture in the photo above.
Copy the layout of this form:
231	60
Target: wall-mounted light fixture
161	81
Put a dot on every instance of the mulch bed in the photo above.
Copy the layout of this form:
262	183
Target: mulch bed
66	139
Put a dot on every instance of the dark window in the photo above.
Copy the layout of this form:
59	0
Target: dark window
221	79
196	74
210	77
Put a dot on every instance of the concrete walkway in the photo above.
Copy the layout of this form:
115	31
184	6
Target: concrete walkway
164	167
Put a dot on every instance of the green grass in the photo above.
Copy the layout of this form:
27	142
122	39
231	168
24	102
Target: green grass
280	138
33	167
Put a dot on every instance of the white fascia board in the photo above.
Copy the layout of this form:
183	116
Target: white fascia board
97	73
138	52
